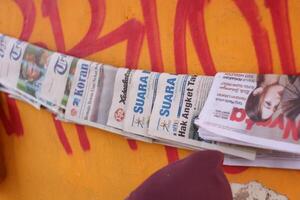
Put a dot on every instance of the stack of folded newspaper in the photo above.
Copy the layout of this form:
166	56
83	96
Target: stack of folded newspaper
261	111
154	107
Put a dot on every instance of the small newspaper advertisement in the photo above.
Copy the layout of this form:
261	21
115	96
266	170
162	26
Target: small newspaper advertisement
143	91
257	110
120	98
176	106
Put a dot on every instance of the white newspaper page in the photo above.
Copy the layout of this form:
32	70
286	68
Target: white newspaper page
120	98
207	135
91	96
11	56
84	75
56	76
268	159
16	51
142	93
259	110
4	54
175	107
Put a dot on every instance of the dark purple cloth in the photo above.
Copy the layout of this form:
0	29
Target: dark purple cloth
200	176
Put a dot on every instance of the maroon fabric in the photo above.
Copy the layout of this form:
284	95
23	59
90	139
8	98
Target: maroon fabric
198	177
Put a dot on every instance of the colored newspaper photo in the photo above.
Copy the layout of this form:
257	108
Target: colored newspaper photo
178	102
33	69
257	110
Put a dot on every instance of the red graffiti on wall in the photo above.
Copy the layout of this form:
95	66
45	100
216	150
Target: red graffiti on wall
260	36
188	14
12	123
191	11
281	24
28	10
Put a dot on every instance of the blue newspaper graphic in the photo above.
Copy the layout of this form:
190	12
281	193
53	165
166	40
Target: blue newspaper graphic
143	91
176	105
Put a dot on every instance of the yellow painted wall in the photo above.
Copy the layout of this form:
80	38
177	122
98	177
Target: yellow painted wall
38	165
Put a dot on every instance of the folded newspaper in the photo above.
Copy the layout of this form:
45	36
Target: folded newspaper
260	111
160	107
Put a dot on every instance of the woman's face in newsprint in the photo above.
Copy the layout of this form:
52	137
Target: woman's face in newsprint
271	101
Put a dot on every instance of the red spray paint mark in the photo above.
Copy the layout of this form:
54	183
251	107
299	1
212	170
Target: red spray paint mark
260	36
6	122
132	31
152	33
234	170
16	121
172	154
97	20
62	135
132	144
182	11
198	32
29	13
281	24
191	11
50	9
41	44
83	138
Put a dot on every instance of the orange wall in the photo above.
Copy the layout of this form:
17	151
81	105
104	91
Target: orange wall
48	159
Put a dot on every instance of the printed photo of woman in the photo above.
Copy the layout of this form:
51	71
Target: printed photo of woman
271	93
265	99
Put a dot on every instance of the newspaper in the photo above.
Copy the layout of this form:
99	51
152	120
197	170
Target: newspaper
4	53
91	96
142	93
133	103
258	110
117	110
267	159
16	50
32	74
176	105
56	76
69	83
11	55
85	92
